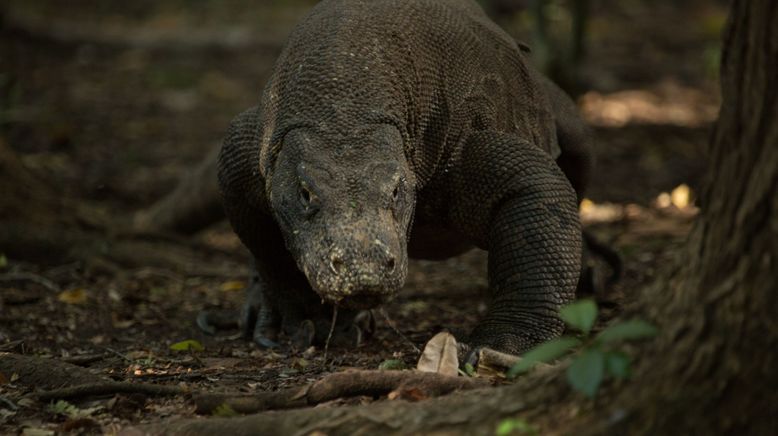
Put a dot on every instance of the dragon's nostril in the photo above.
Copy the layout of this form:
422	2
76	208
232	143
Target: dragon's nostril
390	263
336	264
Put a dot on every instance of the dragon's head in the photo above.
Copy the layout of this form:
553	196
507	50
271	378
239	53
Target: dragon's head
345	204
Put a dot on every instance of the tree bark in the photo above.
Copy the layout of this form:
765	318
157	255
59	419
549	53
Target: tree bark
713	369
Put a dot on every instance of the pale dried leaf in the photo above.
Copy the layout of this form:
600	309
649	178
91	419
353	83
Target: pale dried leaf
440	355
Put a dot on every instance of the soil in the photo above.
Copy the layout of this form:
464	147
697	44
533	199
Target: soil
114	123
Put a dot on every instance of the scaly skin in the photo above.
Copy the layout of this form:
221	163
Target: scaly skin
388	120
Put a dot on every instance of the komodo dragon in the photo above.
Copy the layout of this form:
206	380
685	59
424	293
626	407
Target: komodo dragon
397	128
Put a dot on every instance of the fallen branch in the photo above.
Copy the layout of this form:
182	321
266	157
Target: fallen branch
110	388
40	372
340	385
37	372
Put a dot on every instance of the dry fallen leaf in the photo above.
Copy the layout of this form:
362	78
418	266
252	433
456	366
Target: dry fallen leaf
440	355
663	200
235	285
73	296
187	345
407	394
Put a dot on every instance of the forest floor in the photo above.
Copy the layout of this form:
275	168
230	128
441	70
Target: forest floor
114	122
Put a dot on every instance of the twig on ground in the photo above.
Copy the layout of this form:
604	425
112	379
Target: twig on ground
10	405
148	271
111	350
84	359
332	329
397	331
30	277
64	269
339	385
11	345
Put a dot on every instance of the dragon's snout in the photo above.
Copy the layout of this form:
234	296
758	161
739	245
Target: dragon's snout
339	267
358	271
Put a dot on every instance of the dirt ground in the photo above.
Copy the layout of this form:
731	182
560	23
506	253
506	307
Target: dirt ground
114	120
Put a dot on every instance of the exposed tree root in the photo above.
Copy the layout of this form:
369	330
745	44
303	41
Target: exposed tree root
37	224
473	413
341	385
193	205
102	250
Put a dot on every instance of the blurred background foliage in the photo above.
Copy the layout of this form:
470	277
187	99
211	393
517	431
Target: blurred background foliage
116	98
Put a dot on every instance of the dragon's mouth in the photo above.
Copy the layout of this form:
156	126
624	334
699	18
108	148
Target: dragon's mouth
363	300
353	285
355	296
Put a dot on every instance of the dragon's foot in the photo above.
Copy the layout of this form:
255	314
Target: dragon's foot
302	326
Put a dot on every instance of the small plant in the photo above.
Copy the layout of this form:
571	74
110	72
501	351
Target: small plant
64	408
597	356
225	411
515	426
392	365
468	370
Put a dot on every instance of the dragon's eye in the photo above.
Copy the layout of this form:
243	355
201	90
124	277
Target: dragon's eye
396	192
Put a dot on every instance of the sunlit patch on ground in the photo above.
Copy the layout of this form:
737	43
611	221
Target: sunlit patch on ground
677	203
666	103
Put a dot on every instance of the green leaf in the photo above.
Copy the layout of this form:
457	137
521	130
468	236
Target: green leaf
189	344
225	411
586	372
544	352
393	365
3	261
62	407
514	425
468	370
628	330
617	364
580	315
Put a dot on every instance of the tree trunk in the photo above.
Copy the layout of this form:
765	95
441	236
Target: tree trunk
712	370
